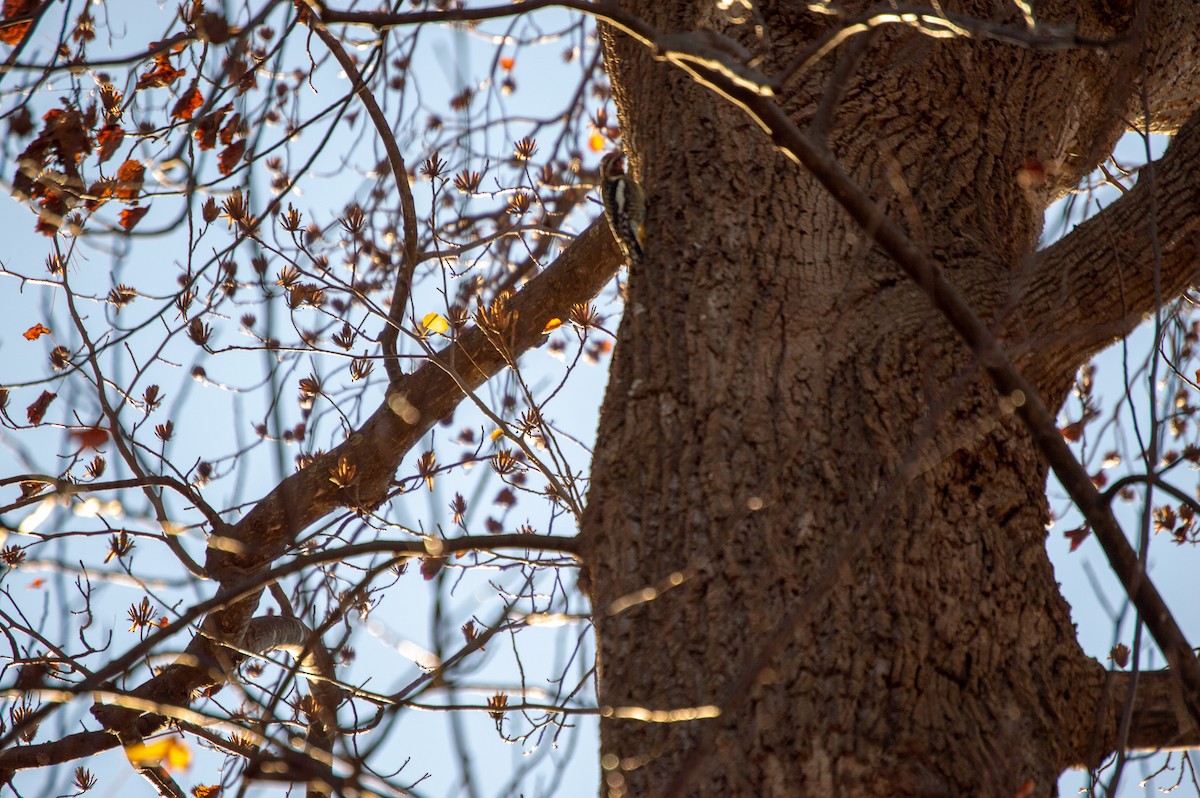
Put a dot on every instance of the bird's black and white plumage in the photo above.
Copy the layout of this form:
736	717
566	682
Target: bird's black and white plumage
624	206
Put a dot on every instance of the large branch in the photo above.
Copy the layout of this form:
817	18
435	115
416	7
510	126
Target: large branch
189	673
1156	719
245	551
376	449
1169	64
1097	283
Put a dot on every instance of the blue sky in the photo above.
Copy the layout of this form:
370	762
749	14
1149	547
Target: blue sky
218	413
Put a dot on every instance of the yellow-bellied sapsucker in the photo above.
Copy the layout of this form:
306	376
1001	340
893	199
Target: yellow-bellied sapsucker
624	206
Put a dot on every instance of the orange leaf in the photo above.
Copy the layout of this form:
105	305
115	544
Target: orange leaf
99	193
595	142
1077	536
187	104
1073	431
66	134
552	325
36	331
15	32
37	411
230	156
36	583
206	129
162	75
129	180
89	437
131	216
507	62
231	129
108	139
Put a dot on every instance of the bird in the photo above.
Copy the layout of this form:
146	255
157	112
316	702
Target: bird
624	204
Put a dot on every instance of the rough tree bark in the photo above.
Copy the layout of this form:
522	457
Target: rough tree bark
779	387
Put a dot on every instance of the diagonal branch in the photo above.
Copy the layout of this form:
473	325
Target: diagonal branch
1069	302
206	667
1156	721
245	553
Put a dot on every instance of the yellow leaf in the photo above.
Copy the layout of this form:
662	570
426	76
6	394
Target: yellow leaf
596	142
179	756
552	325
435	323
497	434
170	752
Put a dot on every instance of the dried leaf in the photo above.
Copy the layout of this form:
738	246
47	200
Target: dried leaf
187	105
230	156
13	9
37	411
36	331
89	437
231	129
131	216
206	129
163	74
1073	431
129	180
107	140
430	566
1077	536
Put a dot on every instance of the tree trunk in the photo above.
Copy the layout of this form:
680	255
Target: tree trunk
784	402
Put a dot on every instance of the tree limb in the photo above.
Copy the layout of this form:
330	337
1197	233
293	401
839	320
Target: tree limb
1068	305
1157	721
246	551
181	680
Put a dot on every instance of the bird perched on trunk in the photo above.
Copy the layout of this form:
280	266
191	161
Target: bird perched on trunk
624	206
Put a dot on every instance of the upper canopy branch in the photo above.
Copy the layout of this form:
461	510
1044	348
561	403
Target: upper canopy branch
1097	283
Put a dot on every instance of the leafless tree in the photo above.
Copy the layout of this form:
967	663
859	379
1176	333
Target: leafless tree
812	535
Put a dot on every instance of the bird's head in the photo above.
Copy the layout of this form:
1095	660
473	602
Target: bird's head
612	164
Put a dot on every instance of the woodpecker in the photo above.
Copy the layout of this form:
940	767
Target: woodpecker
624	206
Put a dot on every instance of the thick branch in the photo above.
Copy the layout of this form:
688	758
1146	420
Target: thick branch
375	451
1096	284
1171	64
377	448
175	684
1157	719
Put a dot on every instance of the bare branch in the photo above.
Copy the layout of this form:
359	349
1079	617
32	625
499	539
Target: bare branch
408	209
